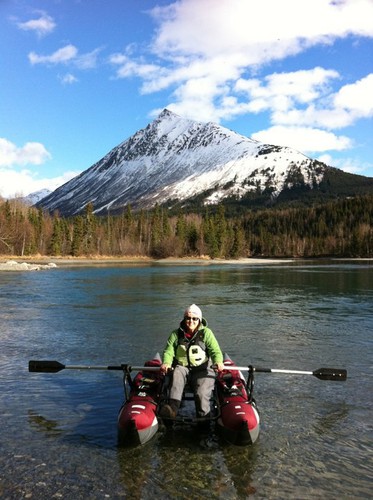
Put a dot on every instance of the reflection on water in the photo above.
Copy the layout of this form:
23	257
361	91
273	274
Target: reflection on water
59	430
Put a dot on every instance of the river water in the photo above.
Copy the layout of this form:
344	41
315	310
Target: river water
58	431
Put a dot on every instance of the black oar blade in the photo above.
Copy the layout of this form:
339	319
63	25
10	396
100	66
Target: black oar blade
45	366
331	374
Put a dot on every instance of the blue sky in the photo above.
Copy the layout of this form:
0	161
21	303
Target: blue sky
78	77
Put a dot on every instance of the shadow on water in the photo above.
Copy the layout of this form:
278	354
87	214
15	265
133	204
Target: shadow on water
331	417
184	463
41	424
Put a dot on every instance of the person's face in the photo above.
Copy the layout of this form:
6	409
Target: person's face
191	322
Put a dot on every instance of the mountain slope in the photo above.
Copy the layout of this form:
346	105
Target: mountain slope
174	160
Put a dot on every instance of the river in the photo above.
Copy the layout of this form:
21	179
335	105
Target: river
59	438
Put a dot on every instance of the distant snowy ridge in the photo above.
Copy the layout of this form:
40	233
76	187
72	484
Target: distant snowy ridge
176	159
35	197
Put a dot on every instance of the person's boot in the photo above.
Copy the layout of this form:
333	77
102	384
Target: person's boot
170	410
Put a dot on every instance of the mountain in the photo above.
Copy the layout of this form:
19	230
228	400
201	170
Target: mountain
179	162
36	196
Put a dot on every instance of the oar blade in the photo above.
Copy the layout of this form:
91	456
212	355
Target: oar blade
331	374
45	366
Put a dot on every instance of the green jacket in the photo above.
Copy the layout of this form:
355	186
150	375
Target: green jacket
213	350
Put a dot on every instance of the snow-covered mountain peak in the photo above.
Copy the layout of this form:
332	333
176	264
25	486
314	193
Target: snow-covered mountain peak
174	158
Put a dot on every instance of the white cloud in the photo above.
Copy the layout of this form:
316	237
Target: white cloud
31	153
351	165
301	86
314	116
305	139
63	55
68	54
68	79
88	60
290	97
23	182
129	68
267	28
326	109
41	26
357	97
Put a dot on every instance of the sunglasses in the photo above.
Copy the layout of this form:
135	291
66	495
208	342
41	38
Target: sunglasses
189	318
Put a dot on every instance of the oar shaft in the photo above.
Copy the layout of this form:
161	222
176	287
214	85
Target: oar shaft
321	373
276	370
267	370
55	366
114	367
91	367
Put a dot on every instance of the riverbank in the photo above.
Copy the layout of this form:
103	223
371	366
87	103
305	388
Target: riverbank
44	262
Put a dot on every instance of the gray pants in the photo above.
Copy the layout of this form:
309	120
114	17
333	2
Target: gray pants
201	380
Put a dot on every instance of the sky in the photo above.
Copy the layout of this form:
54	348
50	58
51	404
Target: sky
78	77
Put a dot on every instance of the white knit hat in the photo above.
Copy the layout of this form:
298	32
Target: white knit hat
194	310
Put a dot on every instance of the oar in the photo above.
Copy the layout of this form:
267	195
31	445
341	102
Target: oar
321	373
56	366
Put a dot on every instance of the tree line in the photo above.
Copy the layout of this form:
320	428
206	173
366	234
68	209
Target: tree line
342	228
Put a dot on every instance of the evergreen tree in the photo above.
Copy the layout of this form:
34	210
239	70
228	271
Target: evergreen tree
221	231
55	246
210	236
89	230
78	236
238	248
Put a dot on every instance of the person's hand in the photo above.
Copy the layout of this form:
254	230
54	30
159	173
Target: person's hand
220	367
165	367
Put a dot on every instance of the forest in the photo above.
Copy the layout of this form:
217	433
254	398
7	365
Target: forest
339	228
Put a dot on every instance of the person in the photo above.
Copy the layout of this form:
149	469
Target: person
191	350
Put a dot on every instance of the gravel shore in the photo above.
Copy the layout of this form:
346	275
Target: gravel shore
12	265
